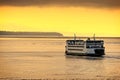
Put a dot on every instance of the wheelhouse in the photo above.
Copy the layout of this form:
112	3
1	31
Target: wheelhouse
94	44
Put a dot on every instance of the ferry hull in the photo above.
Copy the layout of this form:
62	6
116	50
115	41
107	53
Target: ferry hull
98	52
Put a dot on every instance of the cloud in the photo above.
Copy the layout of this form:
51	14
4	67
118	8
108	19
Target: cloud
72	3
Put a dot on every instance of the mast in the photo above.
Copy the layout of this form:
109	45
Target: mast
74	36
94	37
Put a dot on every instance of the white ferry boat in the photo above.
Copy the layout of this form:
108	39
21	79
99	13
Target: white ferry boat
85	47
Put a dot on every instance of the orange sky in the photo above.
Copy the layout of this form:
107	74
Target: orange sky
83	21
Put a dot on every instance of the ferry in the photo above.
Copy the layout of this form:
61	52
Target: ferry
85	47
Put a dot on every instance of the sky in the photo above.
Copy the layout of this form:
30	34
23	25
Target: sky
82	17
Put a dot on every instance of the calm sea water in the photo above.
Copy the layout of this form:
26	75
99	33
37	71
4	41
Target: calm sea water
44	58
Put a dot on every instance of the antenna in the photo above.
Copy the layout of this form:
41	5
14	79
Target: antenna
94	37
74	36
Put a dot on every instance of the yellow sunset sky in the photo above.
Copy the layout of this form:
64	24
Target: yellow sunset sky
67	19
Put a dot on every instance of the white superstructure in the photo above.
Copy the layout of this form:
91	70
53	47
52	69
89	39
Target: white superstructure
88	47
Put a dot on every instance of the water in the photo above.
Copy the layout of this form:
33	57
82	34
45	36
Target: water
44	58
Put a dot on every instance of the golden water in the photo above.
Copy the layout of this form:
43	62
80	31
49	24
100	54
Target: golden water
44	58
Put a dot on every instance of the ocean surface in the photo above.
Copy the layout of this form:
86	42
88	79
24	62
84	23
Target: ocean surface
44	59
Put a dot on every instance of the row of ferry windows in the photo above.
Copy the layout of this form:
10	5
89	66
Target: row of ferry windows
89	46
75	43
77	46
79	43
76	49
94	46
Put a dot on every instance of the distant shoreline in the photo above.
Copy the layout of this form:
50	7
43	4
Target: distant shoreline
10	34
